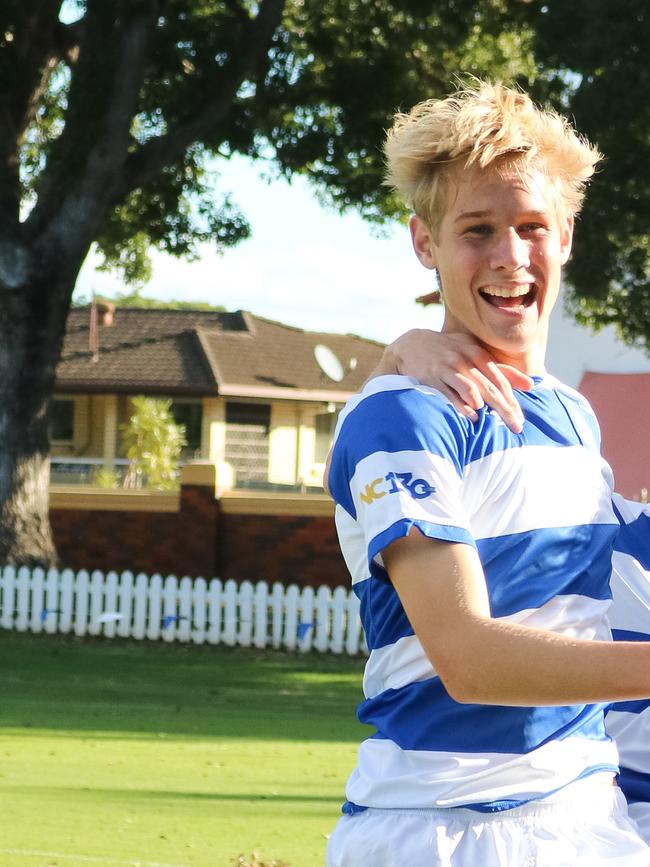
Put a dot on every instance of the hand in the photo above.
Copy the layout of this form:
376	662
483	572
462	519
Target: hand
462	370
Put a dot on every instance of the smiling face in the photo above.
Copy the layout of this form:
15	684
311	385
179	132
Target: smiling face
499	250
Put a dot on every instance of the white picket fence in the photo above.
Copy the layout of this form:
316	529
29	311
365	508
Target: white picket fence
188	610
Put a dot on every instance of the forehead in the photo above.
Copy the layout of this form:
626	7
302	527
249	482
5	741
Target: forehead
499	190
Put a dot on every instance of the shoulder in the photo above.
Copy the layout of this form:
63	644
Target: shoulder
396	416
568	393
398	413
580	412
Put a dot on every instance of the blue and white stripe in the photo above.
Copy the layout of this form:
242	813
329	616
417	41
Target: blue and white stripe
629	722
538	508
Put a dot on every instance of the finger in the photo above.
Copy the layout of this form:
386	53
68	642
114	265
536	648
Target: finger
481	359
501	398
477	387
467	390
502	384
454	398
495	388
485	364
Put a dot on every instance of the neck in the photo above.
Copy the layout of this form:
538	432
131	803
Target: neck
529	360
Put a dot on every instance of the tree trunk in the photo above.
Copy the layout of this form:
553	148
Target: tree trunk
32	327
25	534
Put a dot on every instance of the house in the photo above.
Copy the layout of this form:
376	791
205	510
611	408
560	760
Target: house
259	399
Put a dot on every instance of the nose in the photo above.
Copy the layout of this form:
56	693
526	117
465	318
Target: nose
510	251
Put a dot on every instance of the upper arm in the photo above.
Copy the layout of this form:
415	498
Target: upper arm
397	463
442	588
398	473
398	476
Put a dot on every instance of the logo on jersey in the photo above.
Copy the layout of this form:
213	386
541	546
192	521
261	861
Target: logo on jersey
393	483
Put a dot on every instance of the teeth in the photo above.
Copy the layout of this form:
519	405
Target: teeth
503	292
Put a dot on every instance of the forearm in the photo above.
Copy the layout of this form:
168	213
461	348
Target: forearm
510	664
495	661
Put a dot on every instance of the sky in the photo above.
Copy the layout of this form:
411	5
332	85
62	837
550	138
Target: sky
304	265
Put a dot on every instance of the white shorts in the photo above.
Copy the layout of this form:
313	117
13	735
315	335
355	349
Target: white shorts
640	812
589	829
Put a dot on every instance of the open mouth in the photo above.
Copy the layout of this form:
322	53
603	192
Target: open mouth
509	297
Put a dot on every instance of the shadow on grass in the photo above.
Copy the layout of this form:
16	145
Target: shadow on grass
146	689
124	795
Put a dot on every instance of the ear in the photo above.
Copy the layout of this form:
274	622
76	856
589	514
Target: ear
566	237
422	242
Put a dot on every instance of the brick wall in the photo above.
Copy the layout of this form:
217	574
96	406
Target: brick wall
200	535
171	543
289	548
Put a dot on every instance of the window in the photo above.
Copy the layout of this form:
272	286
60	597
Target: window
190	415
247	442
324	424
62	420
251	414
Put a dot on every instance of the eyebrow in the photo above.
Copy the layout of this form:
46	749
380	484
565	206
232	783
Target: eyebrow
472	215
480	215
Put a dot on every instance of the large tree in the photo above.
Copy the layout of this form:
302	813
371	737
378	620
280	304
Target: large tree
115	113
594	55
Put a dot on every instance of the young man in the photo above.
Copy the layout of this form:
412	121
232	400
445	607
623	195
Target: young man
481	556
468	375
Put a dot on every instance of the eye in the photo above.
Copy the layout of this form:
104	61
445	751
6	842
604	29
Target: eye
478	230
532	228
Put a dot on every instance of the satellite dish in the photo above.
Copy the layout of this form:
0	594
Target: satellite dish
328	362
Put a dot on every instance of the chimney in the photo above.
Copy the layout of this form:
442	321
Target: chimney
430	298
105	312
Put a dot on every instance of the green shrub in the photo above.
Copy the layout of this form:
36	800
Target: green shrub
106	478
153	442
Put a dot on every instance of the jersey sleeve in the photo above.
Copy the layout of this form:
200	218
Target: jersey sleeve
398	463
629	722
630	611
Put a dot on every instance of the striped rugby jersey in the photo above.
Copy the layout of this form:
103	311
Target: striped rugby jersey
629	722
537	506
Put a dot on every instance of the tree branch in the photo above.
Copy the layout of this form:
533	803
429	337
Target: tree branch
29	51
28	54
158	153
90	153
64	45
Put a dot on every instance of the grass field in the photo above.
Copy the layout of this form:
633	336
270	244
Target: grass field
125	753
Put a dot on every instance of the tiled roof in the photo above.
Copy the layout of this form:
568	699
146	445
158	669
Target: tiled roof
206	353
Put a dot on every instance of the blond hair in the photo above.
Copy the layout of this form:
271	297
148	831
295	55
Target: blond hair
486	126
